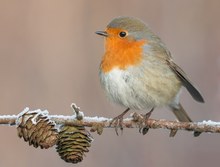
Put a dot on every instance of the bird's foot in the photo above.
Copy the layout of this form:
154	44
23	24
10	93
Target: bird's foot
118	121
142	122
196	133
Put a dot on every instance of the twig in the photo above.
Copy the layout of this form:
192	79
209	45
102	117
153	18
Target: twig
205	126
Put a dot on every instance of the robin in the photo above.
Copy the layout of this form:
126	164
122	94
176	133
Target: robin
138	72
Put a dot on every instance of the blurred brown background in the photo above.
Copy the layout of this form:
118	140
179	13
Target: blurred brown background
49	58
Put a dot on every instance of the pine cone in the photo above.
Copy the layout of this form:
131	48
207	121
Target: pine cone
37	129
73	142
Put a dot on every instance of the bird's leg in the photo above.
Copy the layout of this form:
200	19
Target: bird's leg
143	128
118	121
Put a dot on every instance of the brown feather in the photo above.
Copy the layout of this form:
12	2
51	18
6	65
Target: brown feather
182	116
186	82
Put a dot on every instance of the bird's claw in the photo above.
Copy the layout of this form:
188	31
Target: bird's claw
141	120
118	122
143	127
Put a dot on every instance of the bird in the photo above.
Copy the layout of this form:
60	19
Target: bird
138	72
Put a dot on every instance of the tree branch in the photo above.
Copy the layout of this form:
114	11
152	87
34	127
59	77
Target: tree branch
133	122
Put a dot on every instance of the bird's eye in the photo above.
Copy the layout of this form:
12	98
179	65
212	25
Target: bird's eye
122	34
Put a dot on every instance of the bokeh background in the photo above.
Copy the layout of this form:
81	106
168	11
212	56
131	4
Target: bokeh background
49	58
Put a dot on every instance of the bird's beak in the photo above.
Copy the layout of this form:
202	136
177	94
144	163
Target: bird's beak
103	33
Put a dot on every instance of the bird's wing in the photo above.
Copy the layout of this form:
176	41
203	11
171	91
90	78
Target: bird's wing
185	81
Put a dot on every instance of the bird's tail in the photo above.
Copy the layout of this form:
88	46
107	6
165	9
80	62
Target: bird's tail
182	116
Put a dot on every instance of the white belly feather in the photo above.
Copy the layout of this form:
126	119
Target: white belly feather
140	90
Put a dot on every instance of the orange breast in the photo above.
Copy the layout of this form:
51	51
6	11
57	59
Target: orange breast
121	53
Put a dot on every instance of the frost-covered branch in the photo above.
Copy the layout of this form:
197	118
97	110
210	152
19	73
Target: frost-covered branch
98	123
205	126
72	139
